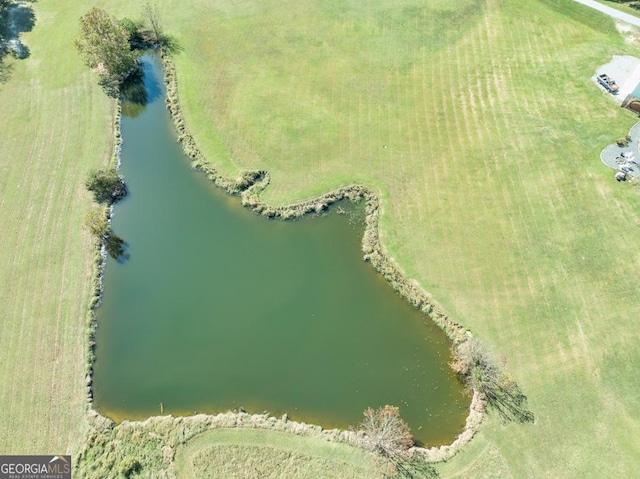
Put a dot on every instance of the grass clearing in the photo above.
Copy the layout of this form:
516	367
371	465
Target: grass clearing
477	124
241	453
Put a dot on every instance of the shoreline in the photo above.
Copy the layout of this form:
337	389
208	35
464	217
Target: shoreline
249	186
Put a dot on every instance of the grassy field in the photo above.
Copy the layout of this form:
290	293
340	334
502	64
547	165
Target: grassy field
475	121
245	453
54	126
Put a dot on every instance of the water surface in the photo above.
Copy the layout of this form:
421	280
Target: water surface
217	308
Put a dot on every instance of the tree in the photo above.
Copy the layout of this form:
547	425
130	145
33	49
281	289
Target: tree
389	437
104	45
106	185
153	20
97	223
483	372
153	32
386	431
99	227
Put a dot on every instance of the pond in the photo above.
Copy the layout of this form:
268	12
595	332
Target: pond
216	308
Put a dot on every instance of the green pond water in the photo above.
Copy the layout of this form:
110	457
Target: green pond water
217	308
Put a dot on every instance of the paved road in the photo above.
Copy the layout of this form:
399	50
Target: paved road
612	12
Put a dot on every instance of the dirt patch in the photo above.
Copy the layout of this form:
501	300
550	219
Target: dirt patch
630	33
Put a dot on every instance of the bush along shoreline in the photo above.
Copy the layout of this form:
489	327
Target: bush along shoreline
100	261
154	441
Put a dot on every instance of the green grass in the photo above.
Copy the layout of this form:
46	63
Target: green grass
54	127
475	121
247	453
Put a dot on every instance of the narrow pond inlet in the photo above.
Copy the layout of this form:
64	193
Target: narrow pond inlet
217	308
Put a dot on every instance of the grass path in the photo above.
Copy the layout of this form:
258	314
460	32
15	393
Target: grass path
251	453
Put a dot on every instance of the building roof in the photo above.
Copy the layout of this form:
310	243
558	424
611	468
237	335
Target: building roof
636	91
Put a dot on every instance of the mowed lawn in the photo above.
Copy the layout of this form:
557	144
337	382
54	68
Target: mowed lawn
474	120
54	126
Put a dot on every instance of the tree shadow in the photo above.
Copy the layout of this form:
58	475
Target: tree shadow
5	71
116	247
482	371
123	258
16	19
21	18
510	404
171	44
139	89
133	94
409	467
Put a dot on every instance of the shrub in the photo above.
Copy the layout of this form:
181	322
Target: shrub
386	431
130	466
99	227
483	372
106	185
104	46
133	28
97	223
622	142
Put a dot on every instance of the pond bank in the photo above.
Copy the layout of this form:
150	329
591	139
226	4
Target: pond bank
248	186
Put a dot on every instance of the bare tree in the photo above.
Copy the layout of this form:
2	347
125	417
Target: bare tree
482	371
386	431
389	437
153	20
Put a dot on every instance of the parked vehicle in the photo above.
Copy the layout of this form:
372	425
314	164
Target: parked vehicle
608	83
